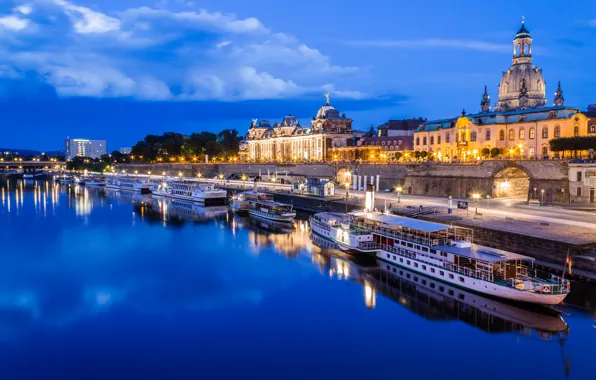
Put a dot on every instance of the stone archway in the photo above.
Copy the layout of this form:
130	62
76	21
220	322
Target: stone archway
511	181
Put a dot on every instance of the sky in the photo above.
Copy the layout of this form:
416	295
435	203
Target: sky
119	70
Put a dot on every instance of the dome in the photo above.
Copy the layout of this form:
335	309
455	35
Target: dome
522	85
290	121
325	111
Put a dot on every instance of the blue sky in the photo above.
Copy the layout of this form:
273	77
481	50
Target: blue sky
121	69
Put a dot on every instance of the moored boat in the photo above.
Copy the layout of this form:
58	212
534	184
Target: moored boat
241	203
134	184
276	211
95	182
192	191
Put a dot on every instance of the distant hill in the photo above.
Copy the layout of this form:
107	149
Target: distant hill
29	152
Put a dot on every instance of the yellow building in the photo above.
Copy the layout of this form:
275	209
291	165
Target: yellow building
520	126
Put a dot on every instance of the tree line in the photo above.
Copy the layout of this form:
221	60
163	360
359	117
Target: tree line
573	145
172	146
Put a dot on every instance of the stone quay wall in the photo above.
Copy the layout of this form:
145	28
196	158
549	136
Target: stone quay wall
434	179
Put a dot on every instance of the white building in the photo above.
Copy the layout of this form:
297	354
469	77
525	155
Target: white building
582	182
85	148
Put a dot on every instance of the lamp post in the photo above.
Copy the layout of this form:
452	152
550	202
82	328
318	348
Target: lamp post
476	197
243	181
399	190
542	197
347	184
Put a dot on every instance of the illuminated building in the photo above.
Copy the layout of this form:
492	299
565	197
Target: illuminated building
85	148
520	125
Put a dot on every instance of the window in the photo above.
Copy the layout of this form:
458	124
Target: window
432	285
438	139
401	260
424	140
441	289
447	137
441	273
544	132
451	292
473	136
557	131
432	140
424	267
433	251
544	150
424	249
451	277
432	270
511	134
416	278
579	176
461	279
416	265
388	256
575	131
394	258
410	245
502	135
579	191
532	151
592	129
487	134
408	262
532	133
403	243
417	140
461	296
522	134
423	282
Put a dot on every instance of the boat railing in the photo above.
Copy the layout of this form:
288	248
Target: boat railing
532	285
393	233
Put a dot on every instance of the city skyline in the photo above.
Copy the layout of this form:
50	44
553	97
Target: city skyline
120	70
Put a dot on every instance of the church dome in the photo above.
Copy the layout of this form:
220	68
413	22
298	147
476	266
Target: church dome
522	85
290	121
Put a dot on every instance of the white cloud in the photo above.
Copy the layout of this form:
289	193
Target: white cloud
86	20
25	9
13	23
159	54
432	42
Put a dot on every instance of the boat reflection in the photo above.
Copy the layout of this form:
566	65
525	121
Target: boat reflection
438	301
172	210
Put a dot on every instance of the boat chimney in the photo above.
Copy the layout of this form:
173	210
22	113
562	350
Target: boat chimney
369	198
254	186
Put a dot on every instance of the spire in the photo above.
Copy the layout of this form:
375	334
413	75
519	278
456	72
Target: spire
523	32
485	103
559	99
463	112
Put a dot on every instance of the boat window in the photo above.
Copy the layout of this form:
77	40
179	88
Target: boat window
408	275
433	251
461	279
416	265
432	270
442	273
408	262
461	296
424	267
416	278
401	260
432	285
410	245
403	243
401	272
451	292
417	247
388	256
441	289
393	270
451	276
424	249
423	282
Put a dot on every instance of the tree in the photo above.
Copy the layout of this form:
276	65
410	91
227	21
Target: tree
417	154
423	154
397	155
494	152
485	152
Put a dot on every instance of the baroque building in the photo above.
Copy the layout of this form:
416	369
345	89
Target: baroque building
329	137
520	125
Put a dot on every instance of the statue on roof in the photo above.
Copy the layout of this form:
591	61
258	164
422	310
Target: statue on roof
254	123
327	99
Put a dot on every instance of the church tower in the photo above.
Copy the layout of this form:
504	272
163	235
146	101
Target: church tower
485	103
559	99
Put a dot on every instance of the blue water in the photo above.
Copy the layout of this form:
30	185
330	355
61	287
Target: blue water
102	285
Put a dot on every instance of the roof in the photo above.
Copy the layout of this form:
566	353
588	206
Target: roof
479	252
273	204
414	224
402	125
396	143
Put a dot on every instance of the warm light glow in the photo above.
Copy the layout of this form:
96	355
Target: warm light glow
398	189
180	174
163	173
476	196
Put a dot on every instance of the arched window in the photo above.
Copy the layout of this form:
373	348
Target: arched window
532	133
417	140
522	133
424	140
557	131
502	135
575	131
383	143
511	134
592	128
432	140
487	134
473	136
544	132
447	137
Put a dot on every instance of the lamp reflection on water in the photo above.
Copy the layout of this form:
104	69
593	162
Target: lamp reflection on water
370	295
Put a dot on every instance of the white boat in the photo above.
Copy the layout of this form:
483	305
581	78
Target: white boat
79	181
192	191
279	212
442	252
241	203
65	179
33	175
95	182
113	183
129	183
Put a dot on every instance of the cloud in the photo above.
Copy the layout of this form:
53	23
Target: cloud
432	42
13	22
160	54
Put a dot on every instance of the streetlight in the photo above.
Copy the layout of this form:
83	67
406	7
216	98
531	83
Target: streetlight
347	184
199	175
243	181
476	197
180	174
399	190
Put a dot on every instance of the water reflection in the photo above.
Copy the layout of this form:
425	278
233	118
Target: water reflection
89	260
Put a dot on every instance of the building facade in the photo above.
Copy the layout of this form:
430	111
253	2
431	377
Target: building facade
85	148
520	125
325	139
582	182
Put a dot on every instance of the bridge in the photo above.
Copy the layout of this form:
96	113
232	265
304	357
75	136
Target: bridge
31	164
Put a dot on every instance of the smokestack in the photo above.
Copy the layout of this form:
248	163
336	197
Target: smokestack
369	198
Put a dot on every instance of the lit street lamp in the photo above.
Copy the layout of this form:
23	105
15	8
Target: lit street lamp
243	181
399	190
347	184
476	197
